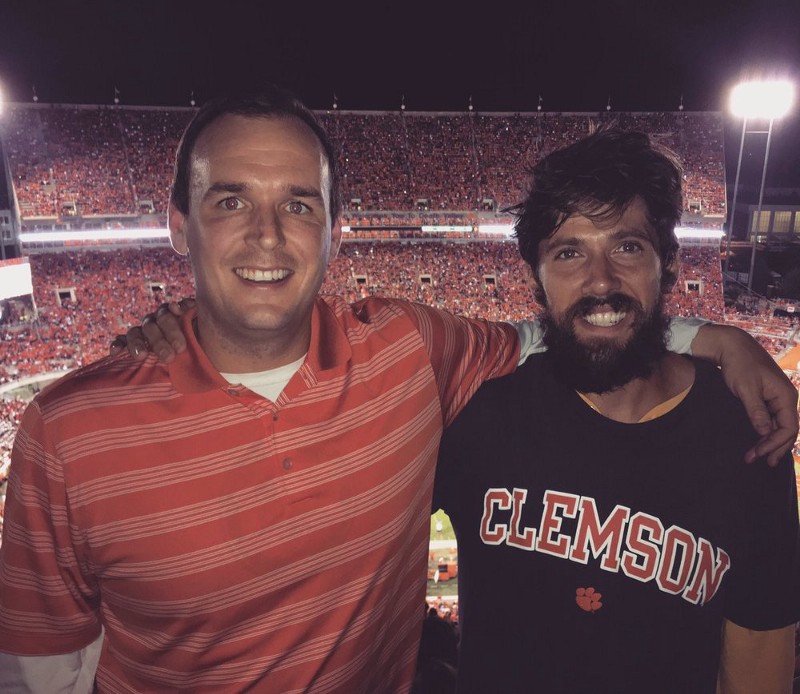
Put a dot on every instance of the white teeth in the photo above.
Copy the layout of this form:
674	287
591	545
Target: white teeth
261	275
605	319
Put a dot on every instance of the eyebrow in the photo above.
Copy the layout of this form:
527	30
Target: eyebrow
642	233
235	188
301	192
224	187
616	235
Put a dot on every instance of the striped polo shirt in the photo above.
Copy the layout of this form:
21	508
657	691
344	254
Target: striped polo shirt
228	542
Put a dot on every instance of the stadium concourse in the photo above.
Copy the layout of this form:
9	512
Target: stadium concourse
419	190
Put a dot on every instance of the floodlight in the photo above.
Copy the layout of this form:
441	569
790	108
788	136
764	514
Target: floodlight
763	99
757	99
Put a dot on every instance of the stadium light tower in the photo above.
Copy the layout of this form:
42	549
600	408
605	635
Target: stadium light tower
756	100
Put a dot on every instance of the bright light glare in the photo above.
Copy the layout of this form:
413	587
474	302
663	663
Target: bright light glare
498	229
767	99
434	229
695	233
116	235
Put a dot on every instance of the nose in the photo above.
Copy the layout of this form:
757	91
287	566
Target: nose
601	277
267	230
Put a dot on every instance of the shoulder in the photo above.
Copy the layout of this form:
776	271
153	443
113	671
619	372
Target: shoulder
371	310
712	422
370	321
523	388
101	383
707	375
728	427
432	323
709	386
527	380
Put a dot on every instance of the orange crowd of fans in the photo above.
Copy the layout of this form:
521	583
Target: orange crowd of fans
84	161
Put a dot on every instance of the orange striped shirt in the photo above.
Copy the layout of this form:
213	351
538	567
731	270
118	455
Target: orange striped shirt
225	541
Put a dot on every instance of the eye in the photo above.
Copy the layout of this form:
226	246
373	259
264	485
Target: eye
297	207
566	254
631	247
231	204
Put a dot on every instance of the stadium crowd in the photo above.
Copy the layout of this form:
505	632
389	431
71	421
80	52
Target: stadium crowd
84	161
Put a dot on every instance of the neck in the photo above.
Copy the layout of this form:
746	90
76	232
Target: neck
251	351
629	403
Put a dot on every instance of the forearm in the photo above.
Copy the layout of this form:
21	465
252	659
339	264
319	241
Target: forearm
712	341
756	662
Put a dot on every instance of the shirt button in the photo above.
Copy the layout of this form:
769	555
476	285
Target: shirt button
275	417
287	464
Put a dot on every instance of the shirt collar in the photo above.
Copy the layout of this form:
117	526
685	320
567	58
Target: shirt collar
330	346
192	372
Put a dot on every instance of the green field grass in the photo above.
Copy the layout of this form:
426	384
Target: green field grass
443	589
446	532
441	531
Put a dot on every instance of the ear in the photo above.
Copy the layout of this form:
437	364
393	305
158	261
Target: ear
669	275
534	283
530	277
336	239
177	222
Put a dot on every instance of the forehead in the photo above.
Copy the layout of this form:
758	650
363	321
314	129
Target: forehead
634	219
265	143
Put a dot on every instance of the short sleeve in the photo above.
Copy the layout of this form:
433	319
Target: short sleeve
464	353
47	598
765	579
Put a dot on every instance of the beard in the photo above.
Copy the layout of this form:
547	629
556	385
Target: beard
601	365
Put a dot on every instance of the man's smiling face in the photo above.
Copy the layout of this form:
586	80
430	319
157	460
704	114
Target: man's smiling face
258	231
601	288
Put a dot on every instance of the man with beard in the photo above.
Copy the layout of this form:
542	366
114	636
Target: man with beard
599	491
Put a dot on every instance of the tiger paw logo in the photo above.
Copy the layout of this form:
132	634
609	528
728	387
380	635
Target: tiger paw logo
588	600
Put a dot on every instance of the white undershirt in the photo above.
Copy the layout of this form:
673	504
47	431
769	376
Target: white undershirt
268	384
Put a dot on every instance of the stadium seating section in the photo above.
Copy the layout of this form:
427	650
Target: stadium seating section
89	160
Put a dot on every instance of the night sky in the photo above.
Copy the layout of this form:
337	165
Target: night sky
644	55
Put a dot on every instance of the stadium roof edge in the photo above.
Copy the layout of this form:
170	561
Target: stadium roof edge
88	107
366	112
332	112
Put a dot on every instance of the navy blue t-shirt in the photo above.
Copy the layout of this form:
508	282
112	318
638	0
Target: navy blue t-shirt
597	556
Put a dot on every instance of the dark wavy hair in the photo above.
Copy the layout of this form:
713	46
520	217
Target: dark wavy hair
270	101
598	177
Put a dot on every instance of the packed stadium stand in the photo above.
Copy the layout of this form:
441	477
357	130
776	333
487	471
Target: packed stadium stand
89	161
110	167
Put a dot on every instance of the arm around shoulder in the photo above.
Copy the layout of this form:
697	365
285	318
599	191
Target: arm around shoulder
753	376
